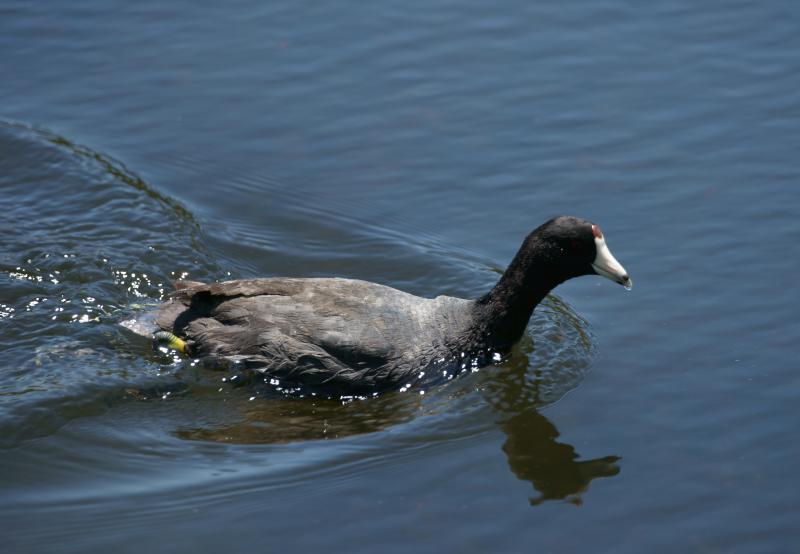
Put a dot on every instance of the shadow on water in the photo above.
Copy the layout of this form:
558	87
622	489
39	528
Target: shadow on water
99	241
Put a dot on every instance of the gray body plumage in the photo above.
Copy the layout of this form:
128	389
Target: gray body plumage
340	334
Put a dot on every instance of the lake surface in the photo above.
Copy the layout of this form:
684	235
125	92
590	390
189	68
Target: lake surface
414	145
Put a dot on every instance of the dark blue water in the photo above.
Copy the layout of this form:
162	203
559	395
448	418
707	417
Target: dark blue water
413	145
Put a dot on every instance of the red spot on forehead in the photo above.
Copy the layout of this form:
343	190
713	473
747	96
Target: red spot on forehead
598	234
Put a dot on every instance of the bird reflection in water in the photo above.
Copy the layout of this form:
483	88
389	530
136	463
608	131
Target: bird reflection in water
512	390
525	383
552	467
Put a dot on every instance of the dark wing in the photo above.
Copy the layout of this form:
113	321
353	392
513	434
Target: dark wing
333	332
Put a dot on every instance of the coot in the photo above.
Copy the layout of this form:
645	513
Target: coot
351	336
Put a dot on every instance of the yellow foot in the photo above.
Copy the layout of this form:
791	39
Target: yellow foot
171	341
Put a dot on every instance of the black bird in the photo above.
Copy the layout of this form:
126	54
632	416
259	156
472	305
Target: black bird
353	337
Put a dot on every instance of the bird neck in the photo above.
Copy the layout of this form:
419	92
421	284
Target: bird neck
504	312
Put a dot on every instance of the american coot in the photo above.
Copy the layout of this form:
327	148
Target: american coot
354	337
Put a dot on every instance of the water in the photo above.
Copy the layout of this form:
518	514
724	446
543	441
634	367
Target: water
412	145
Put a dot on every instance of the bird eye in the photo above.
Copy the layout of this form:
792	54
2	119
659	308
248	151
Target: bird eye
598	234
576	245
